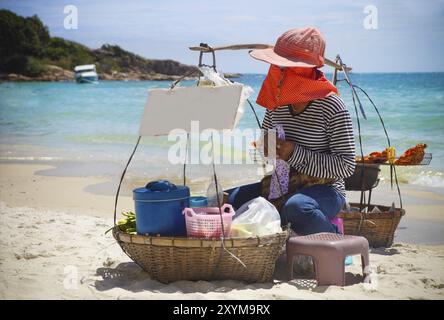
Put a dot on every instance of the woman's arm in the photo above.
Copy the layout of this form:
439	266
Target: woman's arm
339	162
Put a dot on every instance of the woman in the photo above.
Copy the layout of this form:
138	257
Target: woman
318	130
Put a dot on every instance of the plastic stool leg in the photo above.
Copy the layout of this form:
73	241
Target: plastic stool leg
365	263
330	270
365	260
290	260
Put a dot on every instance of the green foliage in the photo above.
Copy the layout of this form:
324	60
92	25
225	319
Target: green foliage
33	67
113	58
25	65
67	54
26	47
20	38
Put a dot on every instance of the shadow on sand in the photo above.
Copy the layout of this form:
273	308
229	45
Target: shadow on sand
129	276
384	251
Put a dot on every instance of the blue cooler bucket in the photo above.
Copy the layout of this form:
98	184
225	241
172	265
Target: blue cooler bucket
159	207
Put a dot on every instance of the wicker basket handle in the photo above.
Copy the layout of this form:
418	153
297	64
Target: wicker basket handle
121	178
116	199
369	223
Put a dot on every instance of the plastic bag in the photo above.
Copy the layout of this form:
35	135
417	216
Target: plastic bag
257	217
215	77
211	76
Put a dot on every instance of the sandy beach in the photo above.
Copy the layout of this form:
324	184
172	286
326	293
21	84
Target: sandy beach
53	246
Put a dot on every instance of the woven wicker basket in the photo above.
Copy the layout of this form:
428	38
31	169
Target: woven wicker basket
169	259
378	228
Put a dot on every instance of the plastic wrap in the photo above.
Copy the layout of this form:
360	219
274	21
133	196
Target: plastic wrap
257	217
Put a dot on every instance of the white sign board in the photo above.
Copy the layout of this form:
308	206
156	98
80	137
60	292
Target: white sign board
215	107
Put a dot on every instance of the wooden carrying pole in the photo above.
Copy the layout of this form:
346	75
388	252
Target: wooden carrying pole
205	48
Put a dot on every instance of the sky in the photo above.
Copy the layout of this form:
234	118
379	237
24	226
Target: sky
409	36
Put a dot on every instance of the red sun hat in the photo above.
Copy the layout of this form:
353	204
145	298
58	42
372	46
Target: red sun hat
302	47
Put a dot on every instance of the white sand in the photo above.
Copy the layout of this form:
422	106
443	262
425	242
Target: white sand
52	245
53	254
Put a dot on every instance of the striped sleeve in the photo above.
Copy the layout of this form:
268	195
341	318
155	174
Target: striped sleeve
267	123
339	162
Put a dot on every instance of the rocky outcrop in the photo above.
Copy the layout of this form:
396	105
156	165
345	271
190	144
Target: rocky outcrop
137	76
119	63
51	73
232	75
54	73
14	77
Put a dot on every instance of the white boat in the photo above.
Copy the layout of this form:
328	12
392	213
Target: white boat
86	73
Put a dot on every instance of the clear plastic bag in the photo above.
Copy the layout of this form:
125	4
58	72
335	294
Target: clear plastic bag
212	195
257	217
209	74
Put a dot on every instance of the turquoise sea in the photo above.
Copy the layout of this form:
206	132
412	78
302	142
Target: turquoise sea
91	129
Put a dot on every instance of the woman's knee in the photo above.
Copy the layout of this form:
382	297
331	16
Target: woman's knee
299	205
238	196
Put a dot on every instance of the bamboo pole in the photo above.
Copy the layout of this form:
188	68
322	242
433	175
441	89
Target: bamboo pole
205	48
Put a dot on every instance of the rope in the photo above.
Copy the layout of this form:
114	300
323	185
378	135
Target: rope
185	160
388	141
359	134
183	77
122	176
385	132
362	155
354	94
255	114
344	68
377	111
260	127
221	219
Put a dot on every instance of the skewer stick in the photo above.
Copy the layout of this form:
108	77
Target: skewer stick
328	62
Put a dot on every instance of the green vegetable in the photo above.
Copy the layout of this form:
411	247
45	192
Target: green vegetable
127	224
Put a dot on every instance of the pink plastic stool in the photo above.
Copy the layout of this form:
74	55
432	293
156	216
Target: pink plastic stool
328	251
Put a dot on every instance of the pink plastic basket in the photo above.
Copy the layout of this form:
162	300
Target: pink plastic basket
205	222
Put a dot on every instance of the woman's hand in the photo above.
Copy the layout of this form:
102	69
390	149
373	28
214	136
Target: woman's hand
284	149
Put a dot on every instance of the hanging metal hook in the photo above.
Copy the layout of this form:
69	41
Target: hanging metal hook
210	49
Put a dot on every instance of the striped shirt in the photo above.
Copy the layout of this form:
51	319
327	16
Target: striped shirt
323	133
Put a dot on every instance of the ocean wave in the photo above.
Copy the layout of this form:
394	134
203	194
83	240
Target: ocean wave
429	179
415	176
29	158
